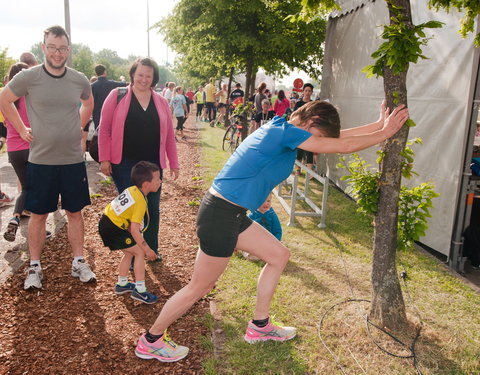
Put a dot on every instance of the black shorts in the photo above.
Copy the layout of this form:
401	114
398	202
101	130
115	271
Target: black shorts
221	105
218	225
304	155
45	183
114	237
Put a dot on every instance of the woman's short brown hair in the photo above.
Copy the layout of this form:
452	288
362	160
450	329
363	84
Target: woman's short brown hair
324	116
146	61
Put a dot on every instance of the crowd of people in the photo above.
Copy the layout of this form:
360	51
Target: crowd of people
48	106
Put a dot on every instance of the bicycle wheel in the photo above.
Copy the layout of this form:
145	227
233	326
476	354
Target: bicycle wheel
227	138
235	141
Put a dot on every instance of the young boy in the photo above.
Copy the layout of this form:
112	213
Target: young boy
266	216
121	227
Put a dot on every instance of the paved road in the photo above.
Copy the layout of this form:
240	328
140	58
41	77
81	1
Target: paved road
14	254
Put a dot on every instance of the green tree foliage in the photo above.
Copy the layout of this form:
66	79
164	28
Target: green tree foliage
212	36
83	59
5	63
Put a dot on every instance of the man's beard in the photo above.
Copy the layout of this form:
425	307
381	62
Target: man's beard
50	64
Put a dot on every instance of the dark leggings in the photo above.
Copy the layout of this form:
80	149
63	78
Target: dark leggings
180	122
19	160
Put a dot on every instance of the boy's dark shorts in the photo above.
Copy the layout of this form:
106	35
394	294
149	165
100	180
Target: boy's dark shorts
219	223
45	183
114	237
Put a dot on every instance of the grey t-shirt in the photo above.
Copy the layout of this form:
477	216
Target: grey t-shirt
53	110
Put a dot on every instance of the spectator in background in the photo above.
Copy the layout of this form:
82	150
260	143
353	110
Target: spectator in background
190	95
18	150
304	156
179	109
237	93
262	117
100	90
281	104
259	96
200	100
169	92
29	59
222	102
210	99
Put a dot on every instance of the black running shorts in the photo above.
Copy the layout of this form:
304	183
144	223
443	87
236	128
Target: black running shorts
219	224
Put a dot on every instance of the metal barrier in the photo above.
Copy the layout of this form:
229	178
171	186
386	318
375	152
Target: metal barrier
296	194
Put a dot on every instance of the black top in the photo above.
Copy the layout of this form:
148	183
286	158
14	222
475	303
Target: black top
299	104
237	93
259	117
141	135
100	90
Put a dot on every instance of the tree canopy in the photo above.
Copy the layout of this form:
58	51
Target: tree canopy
213	36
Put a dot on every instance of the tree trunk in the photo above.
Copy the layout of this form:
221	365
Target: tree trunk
229	90
388	307
248	79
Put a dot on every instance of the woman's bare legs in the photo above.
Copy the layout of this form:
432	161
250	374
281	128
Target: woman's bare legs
255	240
258	241
206	272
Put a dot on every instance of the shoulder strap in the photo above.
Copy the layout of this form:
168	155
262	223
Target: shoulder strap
121	92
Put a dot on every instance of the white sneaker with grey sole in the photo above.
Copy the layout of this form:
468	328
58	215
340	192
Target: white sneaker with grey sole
34	278
83	272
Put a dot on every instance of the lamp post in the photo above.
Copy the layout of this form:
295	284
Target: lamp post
67	28
148	30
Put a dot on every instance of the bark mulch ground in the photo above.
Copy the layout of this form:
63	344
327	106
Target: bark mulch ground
73	328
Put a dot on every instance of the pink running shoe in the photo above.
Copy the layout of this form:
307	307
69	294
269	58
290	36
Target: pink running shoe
164	349
270	332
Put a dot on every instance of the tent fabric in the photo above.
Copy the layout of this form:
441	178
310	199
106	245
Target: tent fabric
438	91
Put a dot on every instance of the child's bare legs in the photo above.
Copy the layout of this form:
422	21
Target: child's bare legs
139	263
206	271
258	241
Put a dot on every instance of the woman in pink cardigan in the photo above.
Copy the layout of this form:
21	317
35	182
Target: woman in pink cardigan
138	127
281	104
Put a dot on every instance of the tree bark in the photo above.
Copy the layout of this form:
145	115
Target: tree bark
248	79
229	90
388	307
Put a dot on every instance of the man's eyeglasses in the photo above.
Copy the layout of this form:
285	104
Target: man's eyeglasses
62	50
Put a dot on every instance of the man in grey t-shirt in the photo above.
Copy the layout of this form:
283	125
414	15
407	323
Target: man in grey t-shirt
53	93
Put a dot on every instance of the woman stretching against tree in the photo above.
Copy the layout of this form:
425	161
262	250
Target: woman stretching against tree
261	162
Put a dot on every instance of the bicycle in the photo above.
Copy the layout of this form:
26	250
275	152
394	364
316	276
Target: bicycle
233	135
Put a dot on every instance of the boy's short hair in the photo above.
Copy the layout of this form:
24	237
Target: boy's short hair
307	85
143	172
324	116
99	69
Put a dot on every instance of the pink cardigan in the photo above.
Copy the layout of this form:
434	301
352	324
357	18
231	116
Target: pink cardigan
111	129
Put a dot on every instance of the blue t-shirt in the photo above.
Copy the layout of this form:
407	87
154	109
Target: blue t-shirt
177	104
260	163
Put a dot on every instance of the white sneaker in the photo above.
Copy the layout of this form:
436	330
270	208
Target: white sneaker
82	270
34	278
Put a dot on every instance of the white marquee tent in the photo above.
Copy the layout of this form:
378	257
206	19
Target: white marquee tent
440	99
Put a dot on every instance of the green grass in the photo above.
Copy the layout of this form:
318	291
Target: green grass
323	265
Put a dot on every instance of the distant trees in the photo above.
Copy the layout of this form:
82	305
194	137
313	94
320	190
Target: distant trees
84	60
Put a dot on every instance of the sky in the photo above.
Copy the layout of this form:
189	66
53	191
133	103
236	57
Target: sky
119	25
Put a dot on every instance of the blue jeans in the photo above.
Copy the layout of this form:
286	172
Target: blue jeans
121	177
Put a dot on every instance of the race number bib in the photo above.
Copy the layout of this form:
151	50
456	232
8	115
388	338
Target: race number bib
121	203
